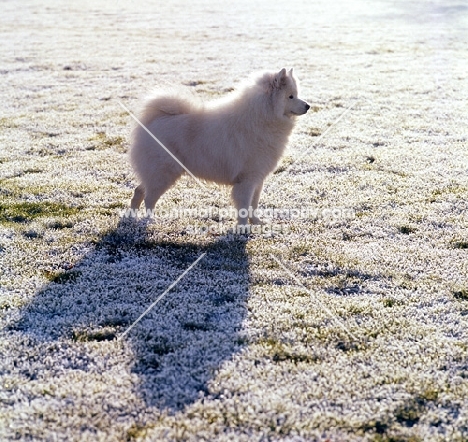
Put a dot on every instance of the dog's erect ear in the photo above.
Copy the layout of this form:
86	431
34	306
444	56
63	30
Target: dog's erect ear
279	79
291	72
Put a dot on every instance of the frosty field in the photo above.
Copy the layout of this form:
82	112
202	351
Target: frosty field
333	328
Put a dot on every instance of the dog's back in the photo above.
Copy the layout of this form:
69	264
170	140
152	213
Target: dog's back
166	103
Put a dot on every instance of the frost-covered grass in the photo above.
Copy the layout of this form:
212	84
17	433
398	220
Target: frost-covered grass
372	343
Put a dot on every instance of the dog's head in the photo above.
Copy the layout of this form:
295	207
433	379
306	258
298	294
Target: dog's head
283	88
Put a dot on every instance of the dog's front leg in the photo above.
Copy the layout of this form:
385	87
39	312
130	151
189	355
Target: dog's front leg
242	195
254	219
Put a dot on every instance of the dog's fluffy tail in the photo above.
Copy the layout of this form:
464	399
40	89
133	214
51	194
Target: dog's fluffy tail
166	103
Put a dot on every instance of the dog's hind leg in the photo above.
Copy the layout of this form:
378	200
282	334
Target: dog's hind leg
138	196
156	188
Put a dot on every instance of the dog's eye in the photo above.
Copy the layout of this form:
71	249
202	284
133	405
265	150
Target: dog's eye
291	97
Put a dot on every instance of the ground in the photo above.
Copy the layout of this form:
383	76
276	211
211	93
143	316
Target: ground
348	324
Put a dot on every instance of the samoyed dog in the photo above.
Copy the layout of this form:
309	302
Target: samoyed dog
236	141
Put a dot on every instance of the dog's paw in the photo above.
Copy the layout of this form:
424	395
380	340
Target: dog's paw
256	221
241	229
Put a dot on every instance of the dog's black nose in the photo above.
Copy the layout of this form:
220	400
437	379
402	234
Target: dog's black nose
307	107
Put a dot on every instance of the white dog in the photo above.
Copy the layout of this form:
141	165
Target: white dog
236	141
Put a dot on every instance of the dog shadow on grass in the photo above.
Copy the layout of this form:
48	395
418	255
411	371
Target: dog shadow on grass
178	345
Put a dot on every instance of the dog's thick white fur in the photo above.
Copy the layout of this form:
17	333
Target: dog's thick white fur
236	141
